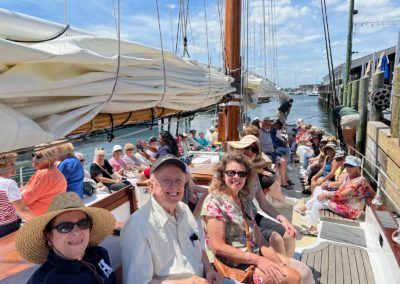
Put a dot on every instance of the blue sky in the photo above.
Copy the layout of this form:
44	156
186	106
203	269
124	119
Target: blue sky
299	31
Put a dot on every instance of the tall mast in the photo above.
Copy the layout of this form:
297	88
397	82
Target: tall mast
349	49
232	64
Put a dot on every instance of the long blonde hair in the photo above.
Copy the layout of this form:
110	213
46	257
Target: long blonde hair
218	184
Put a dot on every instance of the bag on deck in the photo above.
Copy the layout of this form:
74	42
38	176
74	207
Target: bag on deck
89	187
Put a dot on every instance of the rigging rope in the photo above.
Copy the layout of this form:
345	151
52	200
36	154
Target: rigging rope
162	54
208	55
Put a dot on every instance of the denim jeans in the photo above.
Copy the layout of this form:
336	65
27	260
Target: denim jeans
307	157
284	151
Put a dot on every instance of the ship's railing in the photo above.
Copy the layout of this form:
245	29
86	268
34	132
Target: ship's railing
381	174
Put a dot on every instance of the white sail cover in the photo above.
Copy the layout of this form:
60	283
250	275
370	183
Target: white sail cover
49	89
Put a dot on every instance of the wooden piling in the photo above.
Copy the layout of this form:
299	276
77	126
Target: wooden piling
362	109
376	83
348	95
395	124
355	94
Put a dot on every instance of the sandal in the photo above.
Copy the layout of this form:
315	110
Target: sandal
288	186
290	182
306	191
307	232
297	209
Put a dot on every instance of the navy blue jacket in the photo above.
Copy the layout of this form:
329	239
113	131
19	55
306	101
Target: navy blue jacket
62	271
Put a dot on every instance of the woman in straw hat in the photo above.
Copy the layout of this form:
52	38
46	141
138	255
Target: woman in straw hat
65	242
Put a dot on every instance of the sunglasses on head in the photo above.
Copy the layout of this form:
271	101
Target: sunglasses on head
232	173
99	149
66	227
37	156
253	149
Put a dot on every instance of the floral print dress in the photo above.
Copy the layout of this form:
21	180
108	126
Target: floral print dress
223	208
349	200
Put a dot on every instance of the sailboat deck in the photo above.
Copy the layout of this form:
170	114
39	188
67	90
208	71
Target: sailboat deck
337	264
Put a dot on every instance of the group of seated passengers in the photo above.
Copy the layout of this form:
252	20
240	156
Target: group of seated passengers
262	130
160	242
346	195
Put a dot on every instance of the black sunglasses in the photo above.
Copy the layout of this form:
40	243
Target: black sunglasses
253	149
348	166
37	156
82	160
232	173
66	227
129	149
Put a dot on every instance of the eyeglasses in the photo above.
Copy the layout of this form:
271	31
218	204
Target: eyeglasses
130	149
169	182
37	156
253	149
232	173
349	166
66	227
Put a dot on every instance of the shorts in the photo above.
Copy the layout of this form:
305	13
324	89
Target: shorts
350	121
268	226
266	181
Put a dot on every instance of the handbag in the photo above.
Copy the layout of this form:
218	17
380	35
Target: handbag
243	276
89	187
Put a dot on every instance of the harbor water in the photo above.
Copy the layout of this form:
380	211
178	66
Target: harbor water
304	106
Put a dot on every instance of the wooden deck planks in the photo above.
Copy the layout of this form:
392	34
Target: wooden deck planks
338	264
331	269
368	268
353	266
329	216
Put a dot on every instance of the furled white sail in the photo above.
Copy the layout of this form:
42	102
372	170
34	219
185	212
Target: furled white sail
51	88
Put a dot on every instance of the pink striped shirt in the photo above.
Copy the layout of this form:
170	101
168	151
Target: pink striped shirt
9	192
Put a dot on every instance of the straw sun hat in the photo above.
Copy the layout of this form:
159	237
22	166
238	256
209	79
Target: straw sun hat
261	160
30	239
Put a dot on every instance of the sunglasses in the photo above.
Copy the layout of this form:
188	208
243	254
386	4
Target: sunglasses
66	227
348	166
82	160
37	156
99	149
232	173
129	149
253	149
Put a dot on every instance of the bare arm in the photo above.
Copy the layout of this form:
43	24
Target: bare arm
265	206
102	179
331	174
23	210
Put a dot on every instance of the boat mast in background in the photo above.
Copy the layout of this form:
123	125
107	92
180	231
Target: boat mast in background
229	131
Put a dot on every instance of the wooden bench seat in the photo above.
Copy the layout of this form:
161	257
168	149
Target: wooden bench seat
330	216
337	264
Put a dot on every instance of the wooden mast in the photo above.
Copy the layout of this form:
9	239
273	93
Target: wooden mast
232	64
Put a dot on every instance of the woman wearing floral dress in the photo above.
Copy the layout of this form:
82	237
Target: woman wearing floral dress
348	201
225	213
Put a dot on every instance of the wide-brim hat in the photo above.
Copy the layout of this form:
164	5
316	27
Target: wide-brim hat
329	146
30	239
245	142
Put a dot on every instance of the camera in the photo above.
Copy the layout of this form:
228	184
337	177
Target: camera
139	147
